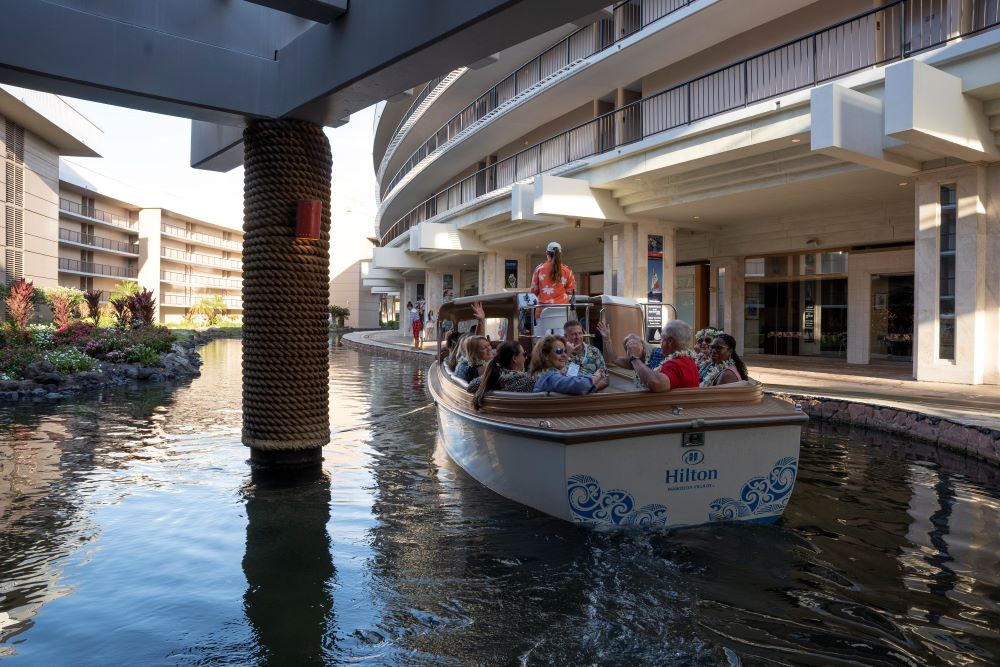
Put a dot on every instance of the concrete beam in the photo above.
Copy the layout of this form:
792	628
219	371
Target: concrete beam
848	125
572	198
436	237
320	11
399	259
927	108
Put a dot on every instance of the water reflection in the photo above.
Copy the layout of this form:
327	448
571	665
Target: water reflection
133	532
288	568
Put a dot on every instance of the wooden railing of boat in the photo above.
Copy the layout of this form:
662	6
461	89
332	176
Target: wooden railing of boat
728	406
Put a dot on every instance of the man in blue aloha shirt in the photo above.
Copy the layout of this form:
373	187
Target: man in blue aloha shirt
585	359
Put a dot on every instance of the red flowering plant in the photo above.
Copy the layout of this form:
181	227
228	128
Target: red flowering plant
21	302
74	334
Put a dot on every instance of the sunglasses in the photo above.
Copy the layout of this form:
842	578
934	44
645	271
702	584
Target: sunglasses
704	340
559	350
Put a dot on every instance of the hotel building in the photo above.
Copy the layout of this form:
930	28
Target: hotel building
817	178
63	225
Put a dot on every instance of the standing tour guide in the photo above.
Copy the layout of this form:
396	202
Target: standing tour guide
553	282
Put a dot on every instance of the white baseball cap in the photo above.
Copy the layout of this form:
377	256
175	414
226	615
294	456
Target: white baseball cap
552	247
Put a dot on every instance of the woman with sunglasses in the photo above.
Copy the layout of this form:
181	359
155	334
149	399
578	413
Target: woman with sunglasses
548	365
726	366
505	372
702	354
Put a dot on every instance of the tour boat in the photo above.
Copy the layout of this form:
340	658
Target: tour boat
619	457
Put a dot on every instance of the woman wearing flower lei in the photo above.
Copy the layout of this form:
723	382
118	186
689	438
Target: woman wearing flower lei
725	365
703	355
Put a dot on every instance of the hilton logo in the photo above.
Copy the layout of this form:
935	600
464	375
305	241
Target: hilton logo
693	457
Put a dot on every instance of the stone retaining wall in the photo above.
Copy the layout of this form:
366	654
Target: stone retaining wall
977	441
386	351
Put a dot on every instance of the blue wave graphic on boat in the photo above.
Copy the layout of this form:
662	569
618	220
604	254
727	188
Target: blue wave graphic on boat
590	504
760	496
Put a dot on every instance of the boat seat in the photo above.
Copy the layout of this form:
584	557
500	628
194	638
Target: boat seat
551	320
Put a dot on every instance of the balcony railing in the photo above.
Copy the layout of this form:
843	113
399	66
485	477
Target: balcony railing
891	32
186	301
198	237
194	279
98	242
203	260
91	268
627	18
96	214
417	99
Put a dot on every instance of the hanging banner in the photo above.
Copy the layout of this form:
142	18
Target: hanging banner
510	273
654	269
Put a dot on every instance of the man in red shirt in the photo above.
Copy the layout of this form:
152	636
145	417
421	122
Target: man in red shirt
678	371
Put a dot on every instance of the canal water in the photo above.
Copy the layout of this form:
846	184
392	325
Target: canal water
133	533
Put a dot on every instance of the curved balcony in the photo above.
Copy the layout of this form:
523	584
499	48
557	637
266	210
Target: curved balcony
98	270
849	46
196	259
198	237
628	18
186	301
69	237
176	278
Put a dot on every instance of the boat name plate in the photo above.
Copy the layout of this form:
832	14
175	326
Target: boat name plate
692	439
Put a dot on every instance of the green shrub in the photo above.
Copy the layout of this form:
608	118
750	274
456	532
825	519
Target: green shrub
143	354
391	324
70	360
13	360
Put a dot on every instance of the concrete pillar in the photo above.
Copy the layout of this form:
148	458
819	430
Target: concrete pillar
286	291
976	288
149	253
729	297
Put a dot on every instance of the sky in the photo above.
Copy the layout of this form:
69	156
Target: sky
150	153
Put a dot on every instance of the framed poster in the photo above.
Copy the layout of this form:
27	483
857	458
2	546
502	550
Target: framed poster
510	273
447	287
654	268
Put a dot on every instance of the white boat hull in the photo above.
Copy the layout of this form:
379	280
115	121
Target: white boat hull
736	474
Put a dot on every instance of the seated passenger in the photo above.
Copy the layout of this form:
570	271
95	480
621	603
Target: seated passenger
587	359
450	343
678	370
505	372
726	366
478	352
703	355
548	365
653	360
456	354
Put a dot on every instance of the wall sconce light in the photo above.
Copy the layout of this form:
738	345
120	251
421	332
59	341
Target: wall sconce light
308	219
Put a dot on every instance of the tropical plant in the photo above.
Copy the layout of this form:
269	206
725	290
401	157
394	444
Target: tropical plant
143	354
339	313
212	308
120	307
70	360
143	308
64	301
390	324
125	288
20	303
93	301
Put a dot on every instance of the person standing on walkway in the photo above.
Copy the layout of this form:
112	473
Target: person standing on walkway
416	325
429	326
553	282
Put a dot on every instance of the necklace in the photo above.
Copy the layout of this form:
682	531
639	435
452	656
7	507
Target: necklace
715	371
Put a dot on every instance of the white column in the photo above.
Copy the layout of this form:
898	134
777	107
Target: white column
149	253
733	294
973	362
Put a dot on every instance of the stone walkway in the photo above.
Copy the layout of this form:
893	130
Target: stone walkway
882	395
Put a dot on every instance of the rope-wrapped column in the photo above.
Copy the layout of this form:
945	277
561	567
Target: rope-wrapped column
286	283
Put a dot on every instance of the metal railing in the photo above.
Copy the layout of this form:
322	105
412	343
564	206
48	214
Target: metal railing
417	99
627	18
891	32
188	301
194	279
207	239
204	260
77	266
96	214
98	242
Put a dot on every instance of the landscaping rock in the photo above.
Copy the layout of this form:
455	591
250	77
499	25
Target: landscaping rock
32	371
132	371
39	392
54	395
49	378
144	372
155	377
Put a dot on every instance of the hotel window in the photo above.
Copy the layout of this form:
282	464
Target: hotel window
946	298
